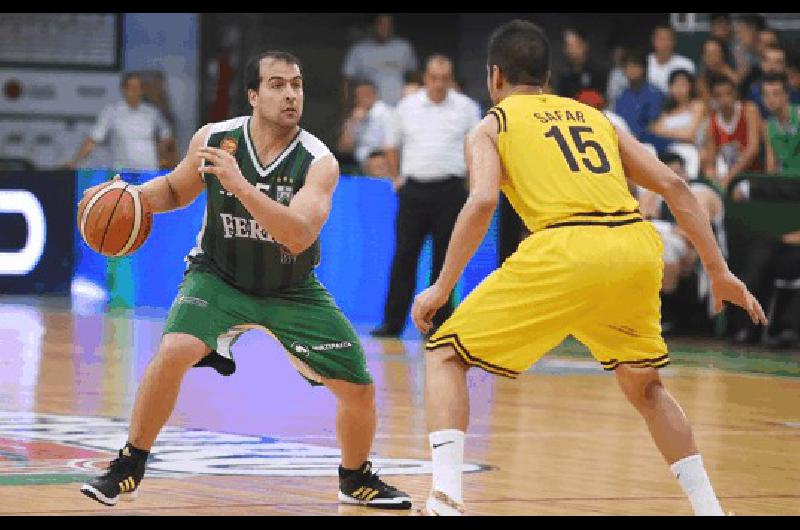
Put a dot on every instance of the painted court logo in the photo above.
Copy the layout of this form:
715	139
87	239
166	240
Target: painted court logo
52	449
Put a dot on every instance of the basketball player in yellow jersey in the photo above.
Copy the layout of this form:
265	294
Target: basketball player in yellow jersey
592	268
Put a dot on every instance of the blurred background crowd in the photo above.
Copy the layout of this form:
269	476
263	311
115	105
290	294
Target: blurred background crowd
714	95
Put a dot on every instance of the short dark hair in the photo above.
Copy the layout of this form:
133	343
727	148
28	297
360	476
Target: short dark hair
755	21
127	76
521	50
364	82
252	71
578	32
663	25
636	56
721	17
717	80
668	157
776	78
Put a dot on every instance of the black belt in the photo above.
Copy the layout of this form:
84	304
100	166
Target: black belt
444	180
603	219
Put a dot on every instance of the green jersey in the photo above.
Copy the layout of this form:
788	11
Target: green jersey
231	244
785	141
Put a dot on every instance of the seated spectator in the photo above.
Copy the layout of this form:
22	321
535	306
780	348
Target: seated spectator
715	64
679	258
782	129
617	82
364	131
663	61
580	73
639	104
383	59
682	113
747	28
773	63
595	99
722	30
734	133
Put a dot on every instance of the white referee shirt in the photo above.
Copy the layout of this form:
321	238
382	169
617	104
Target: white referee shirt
430	135
133	132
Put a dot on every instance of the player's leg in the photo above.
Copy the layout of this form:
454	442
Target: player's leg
623	332
356	420
325	350
671	433
447	418
193	325
504	326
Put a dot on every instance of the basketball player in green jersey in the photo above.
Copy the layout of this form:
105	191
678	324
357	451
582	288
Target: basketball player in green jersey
269	187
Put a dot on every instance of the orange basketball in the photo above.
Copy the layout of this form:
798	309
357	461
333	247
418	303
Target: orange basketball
115	220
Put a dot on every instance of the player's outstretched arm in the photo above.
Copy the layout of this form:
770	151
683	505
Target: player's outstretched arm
484	169
648	171
173	190
296	226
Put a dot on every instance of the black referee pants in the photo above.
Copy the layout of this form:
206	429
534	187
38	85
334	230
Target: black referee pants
424	208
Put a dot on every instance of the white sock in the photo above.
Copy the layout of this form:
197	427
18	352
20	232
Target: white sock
692	476
447	450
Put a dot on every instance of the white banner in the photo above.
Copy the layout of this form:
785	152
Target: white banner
78	94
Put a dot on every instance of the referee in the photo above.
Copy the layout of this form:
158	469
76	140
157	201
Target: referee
427	135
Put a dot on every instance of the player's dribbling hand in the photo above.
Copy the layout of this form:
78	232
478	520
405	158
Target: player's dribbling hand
426	304
223	165
727	287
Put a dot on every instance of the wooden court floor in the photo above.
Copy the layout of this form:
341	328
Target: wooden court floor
559	440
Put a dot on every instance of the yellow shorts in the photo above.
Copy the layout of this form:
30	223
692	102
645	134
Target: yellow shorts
598	283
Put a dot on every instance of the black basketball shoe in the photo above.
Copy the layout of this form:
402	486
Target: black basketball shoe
122	477
363	487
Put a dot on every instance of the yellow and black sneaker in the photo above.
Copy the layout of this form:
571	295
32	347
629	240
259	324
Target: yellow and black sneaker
365	488
122	477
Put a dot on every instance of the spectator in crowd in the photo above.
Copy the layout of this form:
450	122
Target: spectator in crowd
428	139
617	82
679	258
682	112
715	64
734	131
136	129
773	63
682	116
639	104
746	48
722	30
364	131
663	60
793	67
383	59
782	129
767	38
580	73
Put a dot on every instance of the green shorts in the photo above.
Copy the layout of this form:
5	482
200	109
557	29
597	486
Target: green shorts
304	318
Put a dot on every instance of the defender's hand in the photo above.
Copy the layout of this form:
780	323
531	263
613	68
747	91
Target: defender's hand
727	287
223	165
426	304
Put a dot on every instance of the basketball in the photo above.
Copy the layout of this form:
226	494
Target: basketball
116	220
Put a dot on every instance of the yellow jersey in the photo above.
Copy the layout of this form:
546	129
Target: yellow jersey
561	163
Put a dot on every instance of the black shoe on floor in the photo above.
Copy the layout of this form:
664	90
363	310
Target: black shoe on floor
363	487
122	477
385	332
